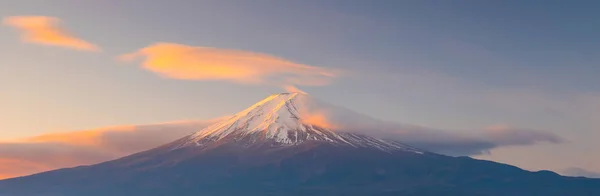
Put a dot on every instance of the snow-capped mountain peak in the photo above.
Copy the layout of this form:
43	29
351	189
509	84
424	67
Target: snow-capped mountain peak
273	117
284	119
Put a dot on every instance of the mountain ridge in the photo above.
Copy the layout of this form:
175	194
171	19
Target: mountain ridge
271	149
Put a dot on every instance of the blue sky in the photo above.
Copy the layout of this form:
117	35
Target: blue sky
453	65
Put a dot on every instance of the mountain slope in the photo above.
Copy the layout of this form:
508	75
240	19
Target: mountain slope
276	148
281	120
299	170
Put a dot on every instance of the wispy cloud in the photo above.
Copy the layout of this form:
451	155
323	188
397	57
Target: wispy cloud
292	89
46	30
454	142
318	118
185	62
17	167
444	141
52	151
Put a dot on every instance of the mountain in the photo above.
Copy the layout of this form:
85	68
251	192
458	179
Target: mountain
283	145
280	120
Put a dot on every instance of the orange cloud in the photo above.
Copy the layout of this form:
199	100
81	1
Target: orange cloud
13	168
87	137
59	150
46	30
293	89
319	119
204	63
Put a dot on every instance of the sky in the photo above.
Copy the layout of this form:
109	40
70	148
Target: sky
464	67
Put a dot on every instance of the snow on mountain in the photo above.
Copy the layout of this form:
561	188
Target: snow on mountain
284	119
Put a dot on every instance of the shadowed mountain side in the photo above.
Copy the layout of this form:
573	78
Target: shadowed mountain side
311	168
